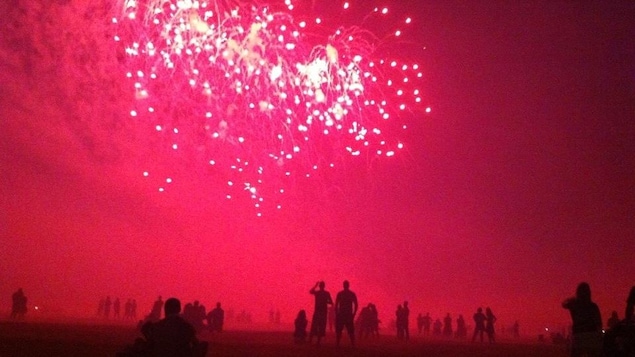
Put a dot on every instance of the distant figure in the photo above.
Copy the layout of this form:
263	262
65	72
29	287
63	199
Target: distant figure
406	321
587	323
127	310
420	323
399	322
461	328
613	320
107	306
345	310
436	327
278	317
490	319
155	313
198	316
18	307
320	311
133	309
100	308
427	322
447	325
374	319
299	335
116	308
173	336
516	329
363	322
619	340
479	324
216	318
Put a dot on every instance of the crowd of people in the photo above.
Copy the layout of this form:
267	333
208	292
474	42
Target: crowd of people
178	329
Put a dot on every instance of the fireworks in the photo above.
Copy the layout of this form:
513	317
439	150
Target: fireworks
259	96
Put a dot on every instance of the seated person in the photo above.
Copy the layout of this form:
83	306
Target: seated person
299	336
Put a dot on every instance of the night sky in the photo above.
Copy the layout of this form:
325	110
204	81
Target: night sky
516	187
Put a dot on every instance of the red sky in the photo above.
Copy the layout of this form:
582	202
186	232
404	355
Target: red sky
518	185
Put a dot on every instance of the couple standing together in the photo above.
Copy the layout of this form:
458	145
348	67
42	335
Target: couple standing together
345	310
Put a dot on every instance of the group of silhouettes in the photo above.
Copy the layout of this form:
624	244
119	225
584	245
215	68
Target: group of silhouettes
194	313
587	336
425	326
106	305
345	309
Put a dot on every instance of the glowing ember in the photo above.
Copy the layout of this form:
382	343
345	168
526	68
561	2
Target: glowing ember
260	96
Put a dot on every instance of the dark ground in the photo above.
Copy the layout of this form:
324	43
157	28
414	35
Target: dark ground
87	338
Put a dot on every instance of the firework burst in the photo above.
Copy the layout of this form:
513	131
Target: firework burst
260	96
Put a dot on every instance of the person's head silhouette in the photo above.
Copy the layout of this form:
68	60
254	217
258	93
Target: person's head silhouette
172	306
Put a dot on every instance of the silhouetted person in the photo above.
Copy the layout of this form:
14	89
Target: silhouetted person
367	321
107	306
420	323
490	319
278	317
195	314
447	325
427	322
173	336
374	320
300	323
18	307
479	324
116	308
399	322
155	313
133	309
587	323
461	328
322	300
362	324
436	327
619	340
100	308
126	309
345	310
406	320
613	320
216	318
516	329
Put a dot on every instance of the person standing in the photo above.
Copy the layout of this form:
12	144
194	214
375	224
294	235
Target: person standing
490	319
345	310
320	312
587	323
479	324
18	309
406	321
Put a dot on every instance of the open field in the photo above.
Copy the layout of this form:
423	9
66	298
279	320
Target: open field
88	338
